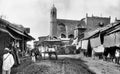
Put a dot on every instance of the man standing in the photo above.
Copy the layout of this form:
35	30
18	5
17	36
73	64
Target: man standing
8	62
117	55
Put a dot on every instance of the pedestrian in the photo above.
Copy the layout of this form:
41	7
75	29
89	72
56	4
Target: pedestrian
93	54
8	61
33	57
117	56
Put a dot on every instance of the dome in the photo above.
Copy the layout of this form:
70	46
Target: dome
53	7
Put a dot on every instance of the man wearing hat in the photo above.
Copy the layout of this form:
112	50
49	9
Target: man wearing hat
8	61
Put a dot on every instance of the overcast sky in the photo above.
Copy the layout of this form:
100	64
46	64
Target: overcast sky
36	13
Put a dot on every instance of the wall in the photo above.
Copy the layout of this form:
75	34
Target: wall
93	22
70	25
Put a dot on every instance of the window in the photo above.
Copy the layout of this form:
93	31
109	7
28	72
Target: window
62	27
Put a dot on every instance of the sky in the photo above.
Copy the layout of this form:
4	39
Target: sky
35	14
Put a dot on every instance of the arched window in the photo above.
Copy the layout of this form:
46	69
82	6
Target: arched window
62	27
63	36
101	24
71	36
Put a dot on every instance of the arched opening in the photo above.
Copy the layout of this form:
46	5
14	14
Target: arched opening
101	24
63	36
54	37
71	36
62	27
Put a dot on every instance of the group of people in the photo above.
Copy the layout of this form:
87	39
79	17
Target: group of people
7	61
41	53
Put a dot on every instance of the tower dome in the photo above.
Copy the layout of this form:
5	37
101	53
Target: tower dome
53	12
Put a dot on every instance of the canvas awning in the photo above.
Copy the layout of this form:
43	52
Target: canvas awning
109	40
95	42
117	38
84	44
99	49
91	34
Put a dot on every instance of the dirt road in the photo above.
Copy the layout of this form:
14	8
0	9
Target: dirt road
70	64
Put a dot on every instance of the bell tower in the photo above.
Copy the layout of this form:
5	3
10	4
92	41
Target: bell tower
53	22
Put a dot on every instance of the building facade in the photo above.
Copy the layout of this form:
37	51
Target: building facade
64	28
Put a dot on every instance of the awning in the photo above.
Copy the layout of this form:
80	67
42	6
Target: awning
15	30
27	37
6	31
109	40
84	44
114	31
117	41
91	34
95	42
99	49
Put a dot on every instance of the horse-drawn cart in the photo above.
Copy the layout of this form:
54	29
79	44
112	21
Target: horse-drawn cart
52	47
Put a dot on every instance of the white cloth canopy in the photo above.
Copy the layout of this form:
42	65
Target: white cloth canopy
84	44
99	48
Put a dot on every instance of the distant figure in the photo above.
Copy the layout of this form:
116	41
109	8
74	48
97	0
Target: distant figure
117	56
8	61
33	57
93	54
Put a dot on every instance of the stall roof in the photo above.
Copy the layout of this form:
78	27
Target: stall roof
29	37
91	34
110	28
6	31
19	29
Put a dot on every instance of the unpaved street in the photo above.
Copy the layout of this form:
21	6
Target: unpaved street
61	66
69	64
